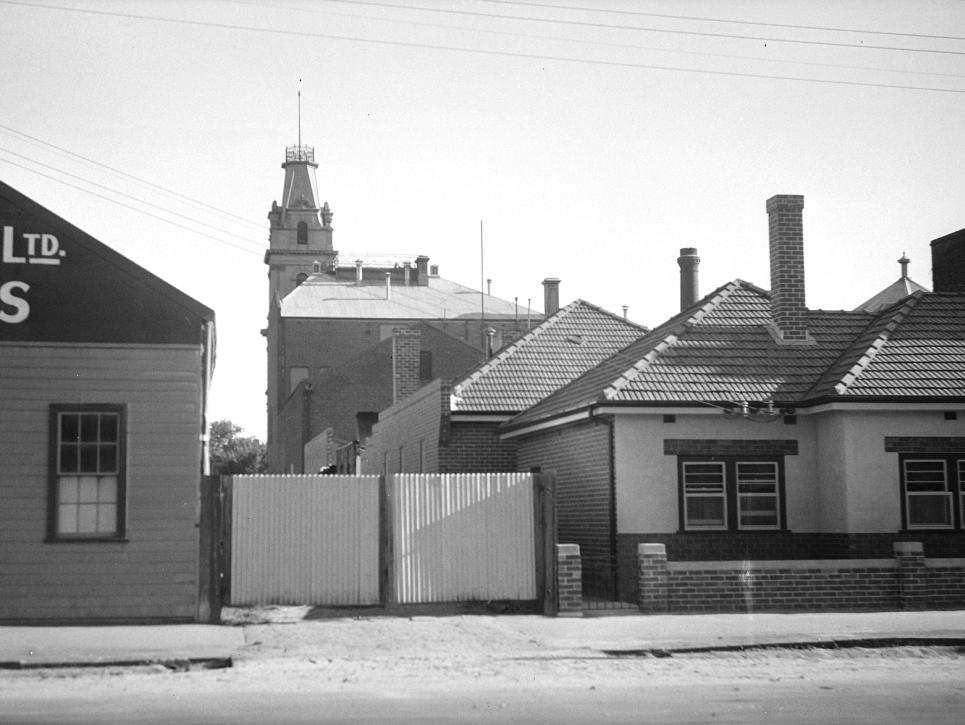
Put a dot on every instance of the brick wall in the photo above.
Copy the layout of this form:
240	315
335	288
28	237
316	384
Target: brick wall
580	456
775	545
413	425
906	581
569	581
475	446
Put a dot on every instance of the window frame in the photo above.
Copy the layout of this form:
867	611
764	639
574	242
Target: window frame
732	495
954	493
54	474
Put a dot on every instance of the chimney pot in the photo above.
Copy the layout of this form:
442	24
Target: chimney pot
551	295
422	270
688	261
358	271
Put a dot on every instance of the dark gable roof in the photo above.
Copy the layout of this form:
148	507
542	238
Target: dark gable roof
564	346
722	351
93	294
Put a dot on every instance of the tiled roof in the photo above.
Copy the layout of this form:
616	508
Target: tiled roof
561	348
918	351
442	299
722	350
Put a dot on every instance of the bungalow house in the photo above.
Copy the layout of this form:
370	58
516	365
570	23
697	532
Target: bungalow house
452	425
749	427
103	395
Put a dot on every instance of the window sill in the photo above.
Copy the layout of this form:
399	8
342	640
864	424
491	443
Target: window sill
86	540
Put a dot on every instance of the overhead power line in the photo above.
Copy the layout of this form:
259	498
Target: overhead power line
313	10
758	23
61	149
611	26
165	209
132	208
478	51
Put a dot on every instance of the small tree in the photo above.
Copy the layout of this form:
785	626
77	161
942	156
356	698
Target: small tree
231	453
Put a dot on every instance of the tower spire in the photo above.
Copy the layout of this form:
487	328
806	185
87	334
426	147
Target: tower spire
299	116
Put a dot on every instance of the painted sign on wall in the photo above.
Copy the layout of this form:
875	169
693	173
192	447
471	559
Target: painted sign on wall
59	284
24	248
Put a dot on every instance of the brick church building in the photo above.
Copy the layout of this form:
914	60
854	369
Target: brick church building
336	321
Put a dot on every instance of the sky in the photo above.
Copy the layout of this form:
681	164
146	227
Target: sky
593	138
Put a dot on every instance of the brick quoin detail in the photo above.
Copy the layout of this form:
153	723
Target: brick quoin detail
912	575
569	580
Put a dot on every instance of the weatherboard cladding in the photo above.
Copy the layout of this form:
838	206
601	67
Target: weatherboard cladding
723	350
559	349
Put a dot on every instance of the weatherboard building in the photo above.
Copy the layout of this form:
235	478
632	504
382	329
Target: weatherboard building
103	394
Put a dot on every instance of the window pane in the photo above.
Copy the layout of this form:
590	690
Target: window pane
106	518
109	428
108	459
107	489
68	459
88	458
925	476
67	519
67	489
69	427
88	427
926	509
87	518
705	511
87	489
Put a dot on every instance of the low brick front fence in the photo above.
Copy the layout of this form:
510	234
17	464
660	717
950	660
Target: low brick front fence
908	581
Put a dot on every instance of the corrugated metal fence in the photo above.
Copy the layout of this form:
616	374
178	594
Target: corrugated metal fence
305	540
353	540
462	537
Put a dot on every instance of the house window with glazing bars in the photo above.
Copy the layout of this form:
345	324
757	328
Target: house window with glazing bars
933	491
719	493
87	489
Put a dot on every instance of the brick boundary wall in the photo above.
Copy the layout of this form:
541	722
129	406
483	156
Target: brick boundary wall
569	580
908	581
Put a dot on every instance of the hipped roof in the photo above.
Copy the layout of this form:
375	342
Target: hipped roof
722	350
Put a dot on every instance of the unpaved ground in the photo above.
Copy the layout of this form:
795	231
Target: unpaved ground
500	669
868	686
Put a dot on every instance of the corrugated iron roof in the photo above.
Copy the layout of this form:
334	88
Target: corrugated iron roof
320	296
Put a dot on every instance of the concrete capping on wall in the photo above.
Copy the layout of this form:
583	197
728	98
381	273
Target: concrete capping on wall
788	564
945	563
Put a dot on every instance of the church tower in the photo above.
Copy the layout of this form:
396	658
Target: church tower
300	237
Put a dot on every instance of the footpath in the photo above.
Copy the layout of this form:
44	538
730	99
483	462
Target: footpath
290	631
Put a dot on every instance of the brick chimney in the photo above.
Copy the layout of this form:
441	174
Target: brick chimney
406	356
786	235
948	262
422	270
688	261
551	295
